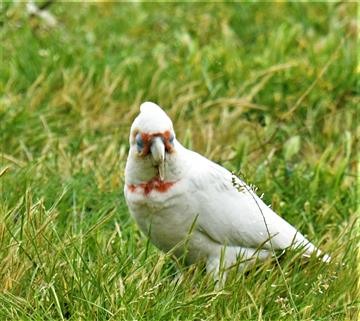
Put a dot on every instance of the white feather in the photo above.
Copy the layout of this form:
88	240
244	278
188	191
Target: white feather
205	211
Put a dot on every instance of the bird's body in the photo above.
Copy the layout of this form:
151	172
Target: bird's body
192	204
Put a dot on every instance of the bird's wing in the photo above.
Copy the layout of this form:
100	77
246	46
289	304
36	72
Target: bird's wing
230	213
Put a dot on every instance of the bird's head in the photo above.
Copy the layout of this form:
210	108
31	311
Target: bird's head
152	136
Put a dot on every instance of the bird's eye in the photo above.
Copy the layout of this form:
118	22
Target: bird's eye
139	142
171	139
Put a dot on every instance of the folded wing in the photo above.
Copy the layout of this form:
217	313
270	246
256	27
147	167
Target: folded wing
230	213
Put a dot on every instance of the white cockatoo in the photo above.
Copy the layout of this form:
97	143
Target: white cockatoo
187	204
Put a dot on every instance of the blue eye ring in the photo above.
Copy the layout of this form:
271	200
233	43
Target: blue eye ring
171	139
139	142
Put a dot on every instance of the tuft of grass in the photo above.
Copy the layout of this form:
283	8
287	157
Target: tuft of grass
267	89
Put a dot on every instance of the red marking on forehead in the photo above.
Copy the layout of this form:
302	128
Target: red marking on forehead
167	135
155	184
146	137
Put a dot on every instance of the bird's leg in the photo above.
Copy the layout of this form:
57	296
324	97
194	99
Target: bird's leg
213	267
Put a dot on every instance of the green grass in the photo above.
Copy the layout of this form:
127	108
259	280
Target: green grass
266	89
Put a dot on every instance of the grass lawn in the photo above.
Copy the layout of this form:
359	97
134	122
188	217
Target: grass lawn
265	89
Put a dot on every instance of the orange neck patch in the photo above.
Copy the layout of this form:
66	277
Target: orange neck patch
155	184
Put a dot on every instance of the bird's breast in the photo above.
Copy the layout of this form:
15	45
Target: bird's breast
162	211
154	185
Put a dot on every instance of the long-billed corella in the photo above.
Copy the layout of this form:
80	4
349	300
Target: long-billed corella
194	207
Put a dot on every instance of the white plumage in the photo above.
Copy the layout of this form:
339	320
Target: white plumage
183	201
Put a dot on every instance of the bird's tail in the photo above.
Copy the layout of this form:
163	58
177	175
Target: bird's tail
311	249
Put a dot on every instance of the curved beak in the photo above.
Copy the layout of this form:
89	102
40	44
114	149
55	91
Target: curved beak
157	150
